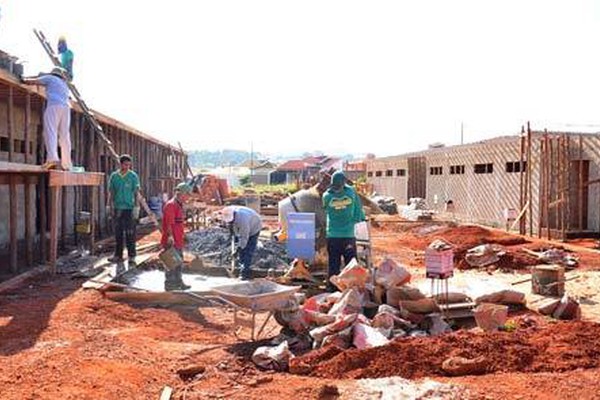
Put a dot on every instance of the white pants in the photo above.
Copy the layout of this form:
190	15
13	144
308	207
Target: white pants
57	121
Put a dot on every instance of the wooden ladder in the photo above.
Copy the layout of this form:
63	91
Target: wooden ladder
89	115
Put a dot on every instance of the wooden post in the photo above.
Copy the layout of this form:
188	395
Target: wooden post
10	124
27	123
542	187
55	192
28	235
580	181
63	214
529	180
567	173
521	178
13	223
93	214
548	151
43	219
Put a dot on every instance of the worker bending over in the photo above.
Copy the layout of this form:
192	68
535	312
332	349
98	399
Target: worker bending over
172	234
344	210
245	224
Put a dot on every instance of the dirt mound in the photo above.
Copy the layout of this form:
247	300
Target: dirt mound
464	238
558	347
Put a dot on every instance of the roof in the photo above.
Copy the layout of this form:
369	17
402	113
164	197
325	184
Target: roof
499	140
293	165
254	164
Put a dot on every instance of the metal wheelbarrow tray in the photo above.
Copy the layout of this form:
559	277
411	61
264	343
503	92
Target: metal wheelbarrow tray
257	295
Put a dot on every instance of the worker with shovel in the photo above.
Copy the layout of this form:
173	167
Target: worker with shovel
245	224
173	236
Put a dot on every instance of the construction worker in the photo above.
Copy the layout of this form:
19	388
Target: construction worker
172	233
66	57
57	118
245	225
123	188
343	209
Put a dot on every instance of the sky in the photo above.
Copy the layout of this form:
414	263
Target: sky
284	77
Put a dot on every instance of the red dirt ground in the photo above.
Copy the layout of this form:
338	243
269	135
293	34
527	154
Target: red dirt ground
556	347
58	341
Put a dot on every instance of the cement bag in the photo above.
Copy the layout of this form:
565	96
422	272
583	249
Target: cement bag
322	302
341	323
568	308
384	323
351	302
423	306
396	294
353	275
274	358
490	317
341	339
316	318
366	337
294	320
389	274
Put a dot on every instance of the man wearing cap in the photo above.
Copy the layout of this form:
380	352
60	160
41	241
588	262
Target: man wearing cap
57	118
66	56
245	224
123	188
172	233
344	209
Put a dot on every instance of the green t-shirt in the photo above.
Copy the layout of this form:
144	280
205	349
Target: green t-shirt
343	210
66	60
123	188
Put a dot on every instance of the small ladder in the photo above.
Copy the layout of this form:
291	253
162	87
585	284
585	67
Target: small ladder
89	115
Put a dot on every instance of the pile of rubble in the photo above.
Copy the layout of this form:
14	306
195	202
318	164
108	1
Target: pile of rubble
386	203
417	210
214	244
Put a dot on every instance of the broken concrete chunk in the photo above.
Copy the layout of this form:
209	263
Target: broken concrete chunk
459	366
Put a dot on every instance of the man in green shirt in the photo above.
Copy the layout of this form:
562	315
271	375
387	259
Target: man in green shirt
343	209
66	56
123	188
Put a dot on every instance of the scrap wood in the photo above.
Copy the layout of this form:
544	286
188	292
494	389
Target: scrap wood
117	285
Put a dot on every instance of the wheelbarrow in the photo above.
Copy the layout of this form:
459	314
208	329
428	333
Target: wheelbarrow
254	297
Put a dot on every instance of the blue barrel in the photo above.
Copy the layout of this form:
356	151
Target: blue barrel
301	236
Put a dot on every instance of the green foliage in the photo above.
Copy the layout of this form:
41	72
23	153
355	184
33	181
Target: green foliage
245	180
212	159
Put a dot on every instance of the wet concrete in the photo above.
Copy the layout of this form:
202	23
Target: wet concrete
154	280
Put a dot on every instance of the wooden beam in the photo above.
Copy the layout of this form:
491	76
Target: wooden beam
19	179
54	201
10	124
19	167
28	222
19	279
14	223
529	179
27	123
65	178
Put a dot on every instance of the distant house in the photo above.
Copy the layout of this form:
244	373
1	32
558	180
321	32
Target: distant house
259	170
304	170
355	169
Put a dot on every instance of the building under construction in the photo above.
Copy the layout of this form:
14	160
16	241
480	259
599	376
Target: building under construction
40	208
544	183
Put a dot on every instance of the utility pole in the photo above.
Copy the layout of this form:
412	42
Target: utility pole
251	158
462	133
